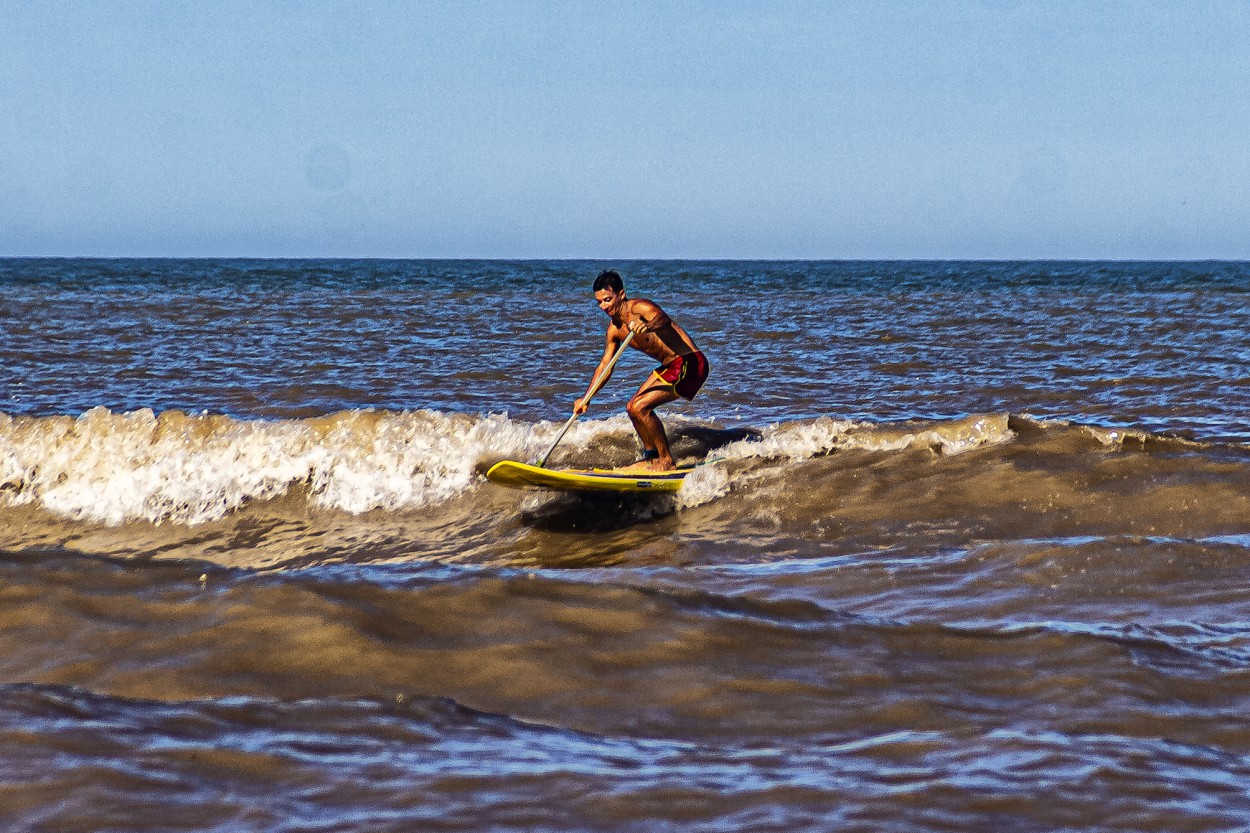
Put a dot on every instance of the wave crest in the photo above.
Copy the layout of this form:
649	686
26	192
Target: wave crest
192	468
112	468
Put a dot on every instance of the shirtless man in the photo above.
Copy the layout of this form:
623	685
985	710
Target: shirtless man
682	371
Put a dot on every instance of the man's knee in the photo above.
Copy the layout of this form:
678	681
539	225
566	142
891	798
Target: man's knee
637	409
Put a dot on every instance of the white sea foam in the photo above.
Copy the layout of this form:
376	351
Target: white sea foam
111	468
804	440
703	485
791	441
947	438
794	442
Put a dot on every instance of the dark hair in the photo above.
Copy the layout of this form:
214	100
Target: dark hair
609	279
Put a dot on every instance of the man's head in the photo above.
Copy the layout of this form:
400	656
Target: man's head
609	291
609	279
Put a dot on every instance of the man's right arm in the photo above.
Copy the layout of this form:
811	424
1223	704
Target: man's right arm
609	350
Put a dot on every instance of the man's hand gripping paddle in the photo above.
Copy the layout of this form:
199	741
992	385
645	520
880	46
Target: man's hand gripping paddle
603	377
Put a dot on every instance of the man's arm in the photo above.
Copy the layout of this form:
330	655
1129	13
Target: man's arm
609	350
647	317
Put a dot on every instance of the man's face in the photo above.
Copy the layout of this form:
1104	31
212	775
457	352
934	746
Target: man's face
609	301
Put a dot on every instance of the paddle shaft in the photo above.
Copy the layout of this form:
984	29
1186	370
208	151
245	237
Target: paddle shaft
594	388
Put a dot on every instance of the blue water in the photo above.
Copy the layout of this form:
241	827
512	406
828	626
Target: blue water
1153	344
973	557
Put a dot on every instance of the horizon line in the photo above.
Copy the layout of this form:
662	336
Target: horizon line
634	259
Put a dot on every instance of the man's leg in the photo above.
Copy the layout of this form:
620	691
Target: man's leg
641	410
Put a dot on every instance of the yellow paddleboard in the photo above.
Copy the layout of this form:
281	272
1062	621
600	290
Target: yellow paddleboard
524	476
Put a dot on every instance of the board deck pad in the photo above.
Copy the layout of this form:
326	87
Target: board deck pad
525	476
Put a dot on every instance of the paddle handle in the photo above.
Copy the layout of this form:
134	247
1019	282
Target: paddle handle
542	461
594	388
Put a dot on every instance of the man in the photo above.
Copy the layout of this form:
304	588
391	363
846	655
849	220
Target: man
682	371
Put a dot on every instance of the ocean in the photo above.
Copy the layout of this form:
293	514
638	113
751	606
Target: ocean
975	555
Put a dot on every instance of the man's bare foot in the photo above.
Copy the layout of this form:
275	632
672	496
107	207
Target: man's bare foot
650	466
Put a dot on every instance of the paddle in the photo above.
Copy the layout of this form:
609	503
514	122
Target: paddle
603	377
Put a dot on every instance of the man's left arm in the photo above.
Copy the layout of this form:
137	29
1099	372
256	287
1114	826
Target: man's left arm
648	318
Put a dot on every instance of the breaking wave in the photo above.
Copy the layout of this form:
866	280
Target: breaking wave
112	468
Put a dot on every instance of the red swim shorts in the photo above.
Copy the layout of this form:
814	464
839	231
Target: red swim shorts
685	374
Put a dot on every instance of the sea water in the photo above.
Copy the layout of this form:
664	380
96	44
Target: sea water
974	557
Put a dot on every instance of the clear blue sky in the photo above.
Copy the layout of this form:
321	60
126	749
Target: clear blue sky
626	129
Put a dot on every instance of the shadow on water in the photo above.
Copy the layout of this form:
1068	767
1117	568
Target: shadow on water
590	512
699	441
